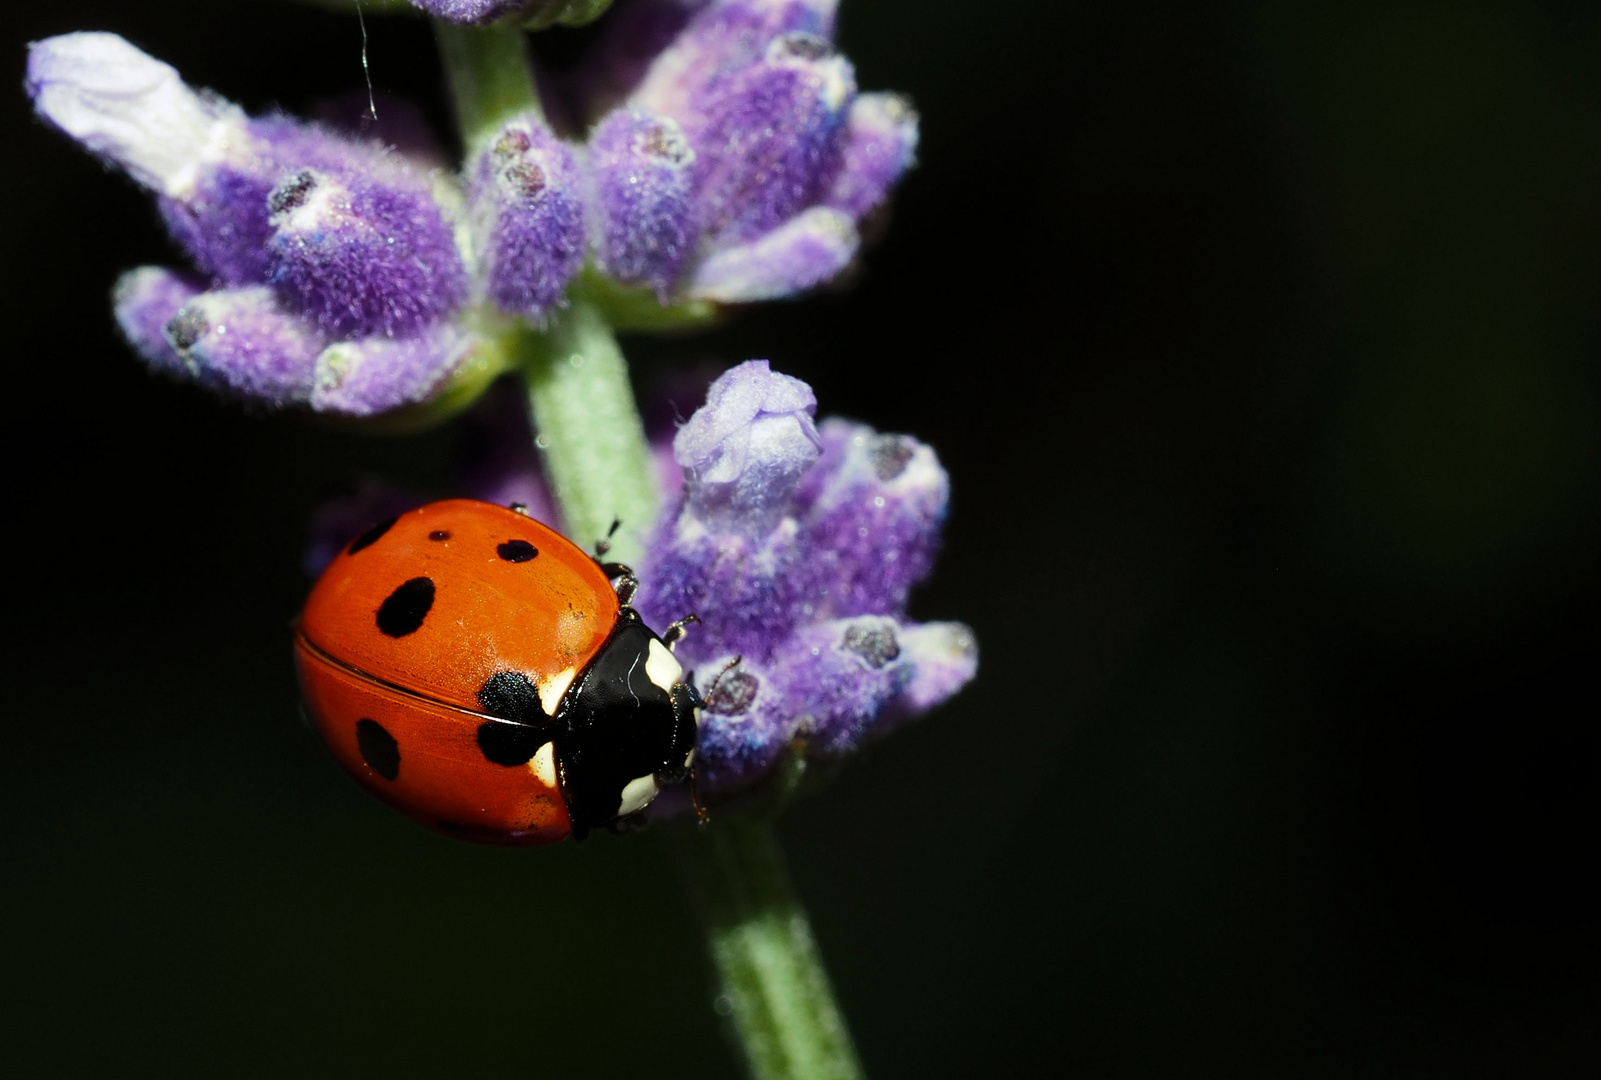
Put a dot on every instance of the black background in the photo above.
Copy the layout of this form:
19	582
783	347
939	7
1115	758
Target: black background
1261	343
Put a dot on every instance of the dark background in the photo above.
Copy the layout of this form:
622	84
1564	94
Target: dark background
1261	342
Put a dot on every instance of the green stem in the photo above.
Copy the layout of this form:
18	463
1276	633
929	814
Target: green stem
589	430
598	462
773	982
490	80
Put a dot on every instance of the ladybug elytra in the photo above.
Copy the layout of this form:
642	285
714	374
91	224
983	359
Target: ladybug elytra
479	672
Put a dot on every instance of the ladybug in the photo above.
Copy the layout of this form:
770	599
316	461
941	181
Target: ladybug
481	673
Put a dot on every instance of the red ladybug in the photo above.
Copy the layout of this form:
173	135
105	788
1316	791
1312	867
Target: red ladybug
479	672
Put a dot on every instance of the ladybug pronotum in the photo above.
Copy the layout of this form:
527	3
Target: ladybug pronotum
479	672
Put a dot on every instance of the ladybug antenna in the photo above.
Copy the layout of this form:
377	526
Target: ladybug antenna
675	633
603	545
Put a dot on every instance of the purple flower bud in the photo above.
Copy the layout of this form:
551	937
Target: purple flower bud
719	39
769	138
880	145
826	691
364	253
472	12
746	449
240	341
874	520
943	657
371	375
641	168
528	217
805	251
536	13
144	301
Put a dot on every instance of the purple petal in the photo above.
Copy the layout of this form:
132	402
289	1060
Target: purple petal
744	451
641	170
128	108
768	140
473	12
527	212
873	512
363	254
880	145
719	39
144	301
242	342
375	374
804	252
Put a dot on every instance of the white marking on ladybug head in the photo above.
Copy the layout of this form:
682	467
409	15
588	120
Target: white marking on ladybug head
637	795
543	764
553	689
662	667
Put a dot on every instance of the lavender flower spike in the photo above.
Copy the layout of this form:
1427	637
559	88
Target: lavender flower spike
788	158
797	547
527	217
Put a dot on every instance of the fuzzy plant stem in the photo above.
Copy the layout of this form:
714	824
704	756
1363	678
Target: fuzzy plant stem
490	80
773	989
593	443
590	433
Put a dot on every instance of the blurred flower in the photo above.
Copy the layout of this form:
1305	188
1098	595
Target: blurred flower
738	158
797	544
531	13
329	270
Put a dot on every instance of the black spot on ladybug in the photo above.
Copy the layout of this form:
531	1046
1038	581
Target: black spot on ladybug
517	551
733	693
876	645
510	744
889	454
378	748
368	538
439	534
406	607
513	695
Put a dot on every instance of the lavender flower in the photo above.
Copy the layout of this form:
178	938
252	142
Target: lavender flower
797	545
776	157
527	218
531	13
329	273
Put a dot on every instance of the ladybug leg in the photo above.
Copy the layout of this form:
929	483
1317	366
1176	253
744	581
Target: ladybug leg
675	633
627	582
702	817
